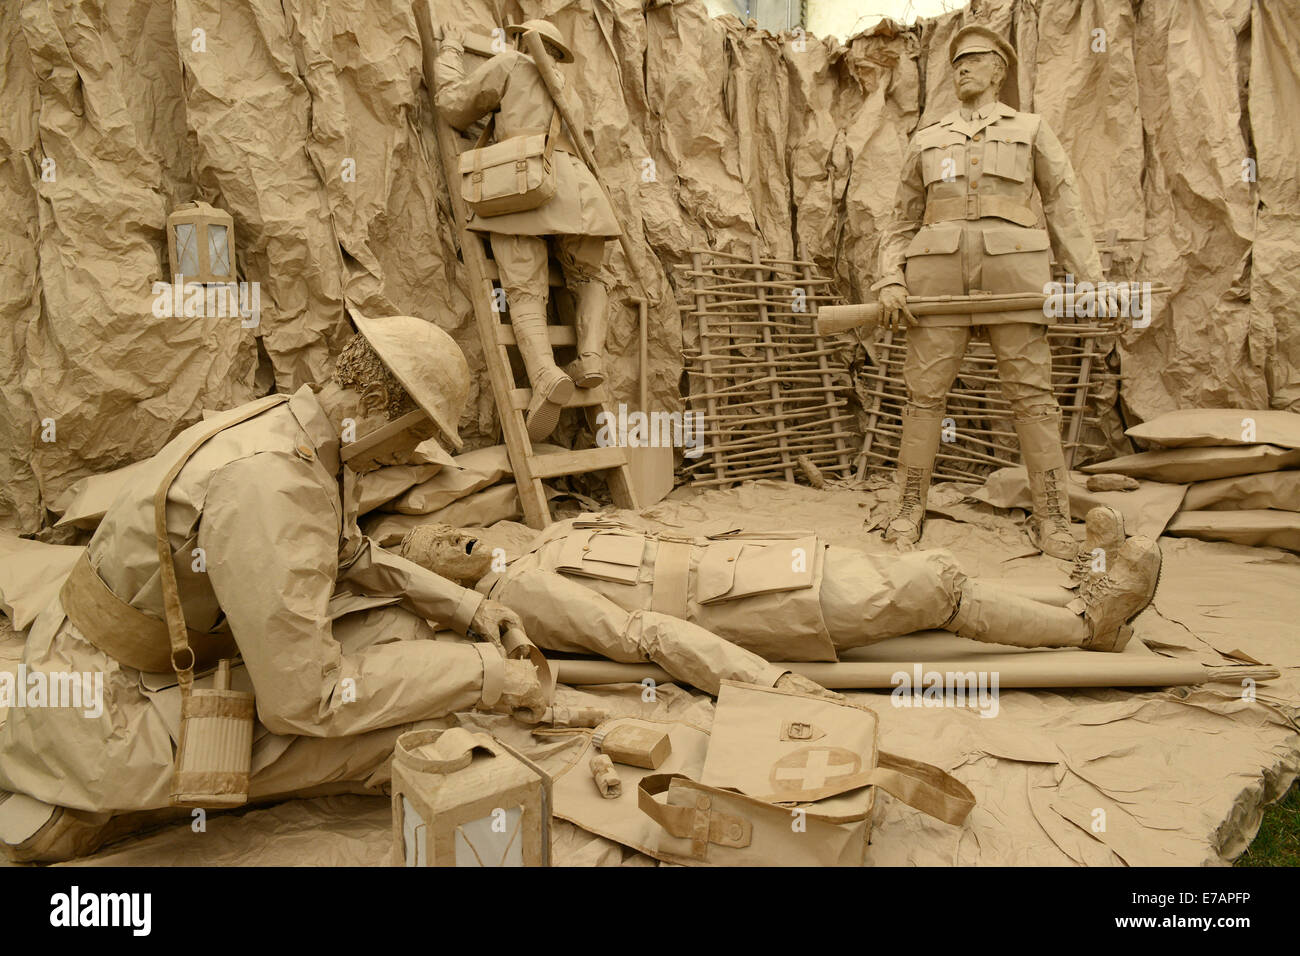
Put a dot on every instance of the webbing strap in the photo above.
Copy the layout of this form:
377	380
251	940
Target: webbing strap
182	656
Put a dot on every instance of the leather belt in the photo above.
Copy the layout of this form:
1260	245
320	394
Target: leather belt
124	632
672	574
978	207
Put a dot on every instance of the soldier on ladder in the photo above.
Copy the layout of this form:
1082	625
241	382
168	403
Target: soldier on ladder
578	218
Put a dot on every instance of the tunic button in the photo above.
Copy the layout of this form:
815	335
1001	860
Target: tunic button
974	161
927	248
974	185
1017	245
976	137
305	453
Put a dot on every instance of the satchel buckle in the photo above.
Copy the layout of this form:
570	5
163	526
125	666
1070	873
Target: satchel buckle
521	165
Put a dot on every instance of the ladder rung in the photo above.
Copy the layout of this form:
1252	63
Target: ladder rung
582	397
559	335
558	463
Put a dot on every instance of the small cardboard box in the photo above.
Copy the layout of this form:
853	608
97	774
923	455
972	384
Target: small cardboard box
467	799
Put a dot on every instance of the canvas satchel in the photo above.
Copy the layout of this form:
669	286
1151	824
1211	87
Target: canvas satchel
730	798
515	175
789	780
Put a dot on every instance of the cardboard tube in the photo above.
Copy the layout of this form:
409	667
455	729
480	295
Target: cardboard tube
1082	669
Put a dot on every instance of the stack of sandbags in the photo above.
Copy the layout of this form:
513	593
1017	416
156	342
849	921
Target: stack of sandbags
1243	466
473	490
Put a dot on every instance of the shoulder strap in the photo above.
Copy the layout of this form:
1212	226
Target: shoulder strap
182	655
488	128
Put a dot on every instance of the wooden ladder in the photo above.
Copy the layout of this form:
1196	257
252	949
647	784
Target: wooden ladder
497	335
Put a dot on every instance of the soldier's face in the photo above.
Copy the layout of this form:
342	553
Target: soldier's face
975	74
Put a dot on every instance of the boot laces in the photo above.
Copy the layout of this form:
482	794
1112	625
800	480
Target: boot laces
911	500
1051	488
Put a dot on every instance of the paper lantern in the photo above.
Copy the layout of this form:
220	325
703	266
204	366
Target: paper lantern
467	799
201	243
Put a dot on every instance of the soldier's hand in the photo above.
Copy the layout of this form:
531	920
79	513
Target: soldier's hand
492	620
802	685
894	313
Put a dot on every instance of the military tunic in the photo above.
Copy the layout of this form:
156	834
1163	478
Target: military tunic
963	223
716	608
335	633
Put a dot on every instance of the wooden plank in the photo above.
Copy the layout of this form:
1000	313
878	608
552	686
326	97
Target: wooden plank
559	463
582	398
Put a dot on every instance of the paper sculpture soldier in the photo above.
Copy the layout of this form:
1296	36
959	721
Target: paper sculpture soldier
334	632
575	222
708	609
962	225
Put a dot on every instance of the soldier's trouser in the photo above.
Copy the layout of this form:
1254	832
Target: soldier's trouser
522	263
871	597
116	758
934	355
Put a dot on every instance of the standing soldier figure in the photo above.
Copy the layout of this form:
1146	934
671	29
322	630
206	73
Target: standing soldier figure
578	218
962	224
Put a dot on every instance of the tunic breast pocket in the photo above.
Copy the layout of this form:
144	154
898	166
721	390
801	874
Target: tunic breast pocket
944	164
1006	154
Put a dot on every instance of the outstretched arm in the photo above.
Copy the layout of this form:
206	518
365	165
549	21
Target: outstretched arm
270	533
562	614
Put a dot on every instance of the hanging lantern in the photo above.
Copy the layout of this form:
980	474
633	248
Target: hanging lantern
467	799
201	243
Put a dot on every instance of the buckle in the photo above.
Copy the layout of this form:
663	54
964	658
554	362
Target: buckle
476	177
521	165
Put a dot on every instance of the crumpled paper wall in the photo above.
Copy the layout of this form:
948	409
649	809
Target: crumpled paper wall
710	134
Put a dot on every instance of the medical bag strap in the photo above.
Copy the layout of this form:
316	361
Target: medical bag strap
924	787
182	655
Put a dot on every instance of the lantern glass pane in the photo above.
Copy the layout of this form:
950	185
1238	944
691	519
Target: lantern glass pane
494	840
415	836
218	251
187	249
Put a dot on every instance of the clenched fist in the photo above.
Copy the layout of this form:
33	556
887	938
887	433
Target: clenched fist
493	619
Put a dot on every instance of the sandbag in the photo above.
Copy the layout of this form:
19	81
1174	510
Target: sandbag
1259	527
479	510
31	574
1200	427
472	471
84	503
1146	510
1279	490
1199	464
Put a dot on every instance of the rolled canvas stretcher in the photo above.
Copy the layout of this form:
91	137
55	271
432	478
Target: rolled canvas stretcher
875	666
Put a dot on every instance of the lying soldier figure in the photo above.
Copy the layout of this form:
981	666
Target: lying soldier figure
335	633
722	607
